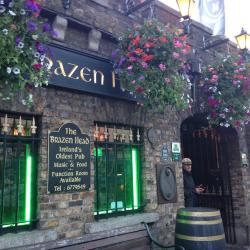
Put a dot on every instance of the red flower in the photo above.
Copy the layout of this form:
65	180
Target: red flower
147	57
237	123
163	39
129	54
37	66
136	41
138	51
139	89
183	38
148	45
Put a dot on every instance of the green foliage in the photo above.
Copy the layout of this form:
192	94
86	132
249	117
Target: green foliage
150	64
22	49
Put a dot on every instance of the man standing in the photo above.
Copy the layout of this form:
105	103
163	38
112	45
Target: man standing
190	191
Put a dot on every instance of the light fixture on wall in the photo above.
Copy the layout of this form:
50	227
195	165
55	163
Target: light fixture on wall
243	41
66	4
185	8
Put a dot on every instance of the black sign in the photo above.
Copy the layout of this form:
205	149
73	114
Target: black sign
78	71
164	153
68	159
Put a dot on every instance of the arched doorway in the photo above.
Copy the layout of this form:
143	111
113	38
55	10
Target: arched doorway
209	150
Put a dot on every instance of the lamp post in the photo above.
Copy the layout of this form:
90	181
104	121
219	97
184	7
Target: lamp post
186	8
243	41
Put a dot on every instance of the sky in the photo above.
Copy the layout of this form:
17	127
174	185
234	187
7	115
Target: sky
237	16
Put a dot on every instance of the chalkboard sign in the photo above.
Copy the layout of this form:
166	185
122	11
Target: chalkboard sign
68	160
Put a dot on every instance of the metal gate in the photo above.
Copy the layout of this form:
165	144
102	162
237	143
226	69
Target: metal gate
208	149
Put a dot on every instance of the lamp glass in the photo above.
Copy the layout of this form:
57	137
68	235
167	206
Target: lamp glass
248	42
185	7
241	40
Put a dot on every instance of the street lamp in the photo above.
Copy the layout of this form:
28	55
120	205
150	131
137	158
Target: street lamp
186	8
243	41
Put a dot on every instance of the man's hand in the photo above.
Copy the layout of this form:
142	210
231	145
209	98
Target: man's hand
199	189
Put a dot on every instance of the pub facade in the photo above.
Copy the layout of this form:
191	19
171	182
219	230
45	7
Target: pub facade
85	164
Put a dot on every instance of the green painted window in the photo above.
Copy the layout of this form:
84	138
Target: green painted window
18	147
117	162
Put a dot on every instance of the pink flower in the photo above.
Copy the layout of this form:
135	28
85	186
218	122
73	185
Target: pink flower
144	65
132	59
175	55
177	43
167	80
214	78
162	67
130	67
185	51
213	102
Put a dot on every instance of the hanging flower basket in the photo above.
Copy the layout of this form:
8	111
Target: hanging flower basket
22	49
226	92
150	62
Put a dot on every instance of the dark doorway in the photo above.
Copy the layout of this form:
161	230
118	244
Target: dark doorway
208	148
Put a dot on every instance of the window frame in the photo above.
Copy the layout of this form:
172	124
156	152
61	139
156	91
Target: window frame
128	147
26	148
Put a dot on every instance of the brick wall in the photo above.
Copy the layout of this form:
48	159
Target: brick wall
65	215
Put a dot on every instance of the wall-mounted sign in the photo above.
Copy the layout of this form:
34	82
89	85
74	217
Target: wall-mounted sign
82	72
164	153
176	151
68	160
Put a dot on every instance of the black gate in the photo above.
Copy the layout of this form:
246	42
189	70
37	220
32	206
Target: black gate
208	149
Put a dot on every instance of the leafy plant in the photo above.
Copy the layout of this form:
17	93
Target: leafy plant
226	92
150	64
22	49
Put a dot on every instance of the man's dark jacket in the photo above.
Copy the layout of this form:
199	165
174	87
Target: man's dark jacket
189	189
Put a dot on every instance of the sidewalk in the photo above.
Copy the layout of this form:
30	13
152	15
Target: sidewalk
237	247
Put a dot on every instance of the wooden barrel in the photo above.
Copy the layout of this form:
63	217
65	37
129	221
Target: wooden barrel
199	228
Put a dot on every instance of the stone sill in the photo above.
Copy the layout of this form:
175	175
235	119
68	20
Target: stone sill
120	222
105	228
13	240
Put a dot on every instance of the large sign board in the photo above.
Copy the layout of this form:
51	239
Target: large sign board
68	160
82	72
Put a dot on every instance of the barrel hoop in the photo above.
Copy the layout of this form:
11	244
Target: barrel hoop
199	214
203	238
193	222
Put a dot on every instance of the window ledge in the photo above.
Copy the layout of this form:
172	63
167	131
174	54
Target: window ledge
121	221
12	240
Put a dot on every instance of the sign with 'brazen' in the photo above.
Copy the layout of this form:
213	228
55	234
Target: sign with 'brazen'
68	160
